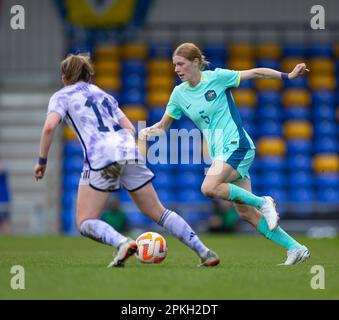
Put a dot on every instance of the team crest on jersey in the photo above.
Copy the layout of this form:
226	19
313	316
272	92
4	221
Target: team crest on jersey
210	95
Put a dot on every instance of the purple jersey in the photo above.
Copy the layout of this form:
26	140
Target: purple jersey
94	116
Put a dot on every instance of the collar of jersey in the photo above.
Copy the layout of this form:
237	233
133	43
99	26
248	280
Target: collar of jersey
187	86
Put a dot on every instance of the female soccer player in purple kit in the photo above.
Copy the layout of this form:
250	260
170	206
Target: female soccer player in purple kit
111	159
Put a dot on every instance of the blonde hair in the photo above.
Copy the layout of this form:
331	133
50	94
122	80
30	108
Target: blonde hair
77	68
190	51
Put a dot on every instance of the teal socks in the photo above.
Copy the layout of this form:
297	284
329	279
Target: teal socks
242	196
278	235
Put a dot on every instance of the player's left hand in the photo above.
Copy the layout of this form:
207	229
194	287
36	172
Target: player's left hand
39	171
298	71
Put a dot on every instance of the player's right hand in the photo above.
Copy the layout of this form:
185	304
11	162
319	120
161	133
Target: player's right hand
39	171
144	133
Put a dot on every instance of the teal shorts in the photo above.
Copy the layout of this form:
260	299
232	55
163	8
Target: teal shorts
239	159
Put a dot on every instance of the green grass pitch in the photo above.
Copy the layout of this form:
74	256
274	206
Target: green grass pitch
75	268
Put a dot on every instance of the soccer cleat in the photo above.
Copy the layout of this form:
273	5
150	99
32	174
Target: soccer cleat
269	212
125	250
210	260
296	256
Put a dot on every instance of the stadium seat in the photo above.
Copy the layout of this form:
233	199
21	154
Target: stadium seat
273	179
299	162
325	144
323	50
133	96
297	113
328	195
300	179
269	51
269	112
160	67
302	195
158	97
72	148
322	112
135	51
70	182
69	133
294	50
155	114
242	50
326	163
268	98
239	63
107	52
296	97
73	164
135	112
268	63
160	50
245	97
326	128
191	196
189	180
322	82
134	81
320	65
107	67
268	84
246	84
296	146
108	82
323	97
214	51
164	179
133	67
298	129
288	63
160	82
247	113
298	83
271	163
327	180
271	146
166	195
270	128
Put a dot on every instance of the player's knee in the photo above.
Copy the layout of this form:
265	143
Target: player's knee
208	190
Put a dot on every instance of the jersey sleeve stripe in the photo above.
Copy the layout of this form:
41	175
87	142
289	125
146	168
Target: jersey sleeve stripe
170	115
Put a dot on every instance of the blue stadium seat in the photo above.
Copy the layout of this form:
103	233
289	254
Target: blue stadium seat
300	82
189	180
246	84
295	146
167	195
323	97
190	196
320	50
297	113
269	97
194	217
136	218
294	50
72	164
280	196
301	179
71	182
124	196
299	161
214	51
327	180
72	148
323	112
272	163
216	63
247	113
161	50
268	63
325	128
272	179
251	128
155	115
301	195
133	66
325	145
270	128
133	96
270	112
164	179
133	81
328	195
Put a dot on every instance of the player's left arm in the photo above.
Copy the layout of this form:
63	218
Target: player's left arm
268	73
52	121
125	123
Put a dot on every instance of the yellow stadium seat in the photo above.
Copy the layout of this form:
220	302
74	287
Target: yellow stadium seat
135	51
336	49
69	134
135	112
107	67
298	129
108	82
245	97
165	82
326	163
270	146
160	67
158	97
107	52
269	51
240	63
322	82
242	50
268	84
321	66
299	97
288	64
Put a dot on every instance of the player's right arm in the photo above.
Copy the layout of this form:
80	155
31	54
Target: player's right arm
157	129
52	121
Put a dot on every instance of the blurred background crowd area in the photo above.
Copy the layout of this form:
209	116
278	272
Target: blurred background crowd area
294	124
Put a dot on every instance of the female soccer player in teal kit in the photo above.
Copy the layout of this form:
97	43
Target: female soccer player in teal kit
205	98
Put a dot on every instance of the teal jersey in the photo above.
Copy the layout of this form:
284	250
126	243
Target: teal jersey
210	105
